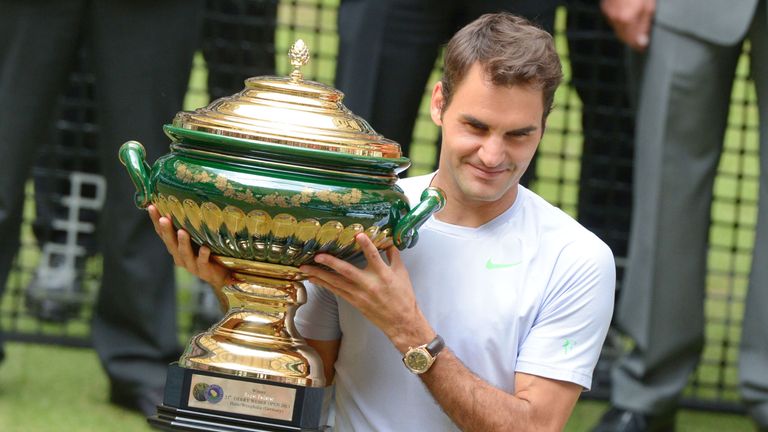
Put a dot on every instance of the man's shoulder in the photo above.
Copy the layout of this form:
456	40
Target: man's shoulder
555	223
546	212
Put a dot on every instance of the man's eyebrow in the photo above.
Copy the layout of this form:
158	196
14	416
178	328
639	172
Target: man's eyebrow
523	130
474	121
477	123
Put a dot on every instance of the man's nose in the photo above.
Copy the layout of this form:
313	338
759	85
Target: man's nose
492	152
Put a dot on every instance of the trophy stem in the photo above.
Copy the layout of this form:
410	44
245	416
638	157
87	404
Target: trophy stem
257	337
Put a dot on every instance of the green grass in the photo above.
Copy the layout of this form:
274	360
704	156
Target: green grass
587	413
50	388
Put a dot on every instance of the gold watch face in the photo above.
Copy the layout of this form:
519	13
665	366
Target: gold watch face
417	360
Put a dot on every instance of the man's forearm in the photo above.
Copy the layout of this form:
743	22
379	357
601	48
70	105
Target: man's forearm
475	405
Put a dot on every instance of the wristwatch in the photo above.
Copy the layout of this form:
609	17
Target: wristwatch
419	359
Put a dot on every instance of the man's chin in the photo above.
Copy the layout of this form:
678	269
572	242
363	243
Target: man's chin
484	194
483	190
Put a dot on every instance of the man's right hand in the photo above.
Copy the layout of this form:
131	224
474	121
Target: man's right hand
179	246
631	20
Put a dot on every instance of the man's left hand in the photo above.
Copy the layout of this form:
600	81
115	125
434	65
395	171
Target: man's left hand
381	291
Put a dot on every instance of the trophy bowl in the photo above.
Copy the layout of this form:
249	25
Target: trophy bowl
268	178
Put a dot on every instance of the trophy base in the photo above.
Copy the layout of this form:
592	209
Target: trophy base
174	419
208	401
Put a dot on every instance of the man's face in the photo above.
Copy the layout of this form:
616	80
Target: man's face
490	134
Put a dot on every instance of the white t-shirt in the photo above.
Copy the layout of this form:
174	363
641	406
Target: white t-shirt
530	291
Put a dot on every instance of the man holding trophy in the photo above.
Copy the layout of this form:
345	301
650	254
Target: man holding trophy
495	320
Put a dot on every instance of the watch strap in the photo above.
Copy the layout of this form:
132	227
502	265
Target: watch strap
435	346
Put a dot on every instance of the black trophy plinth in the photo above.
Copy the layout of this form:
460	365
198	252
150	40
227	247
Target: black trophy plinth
208	401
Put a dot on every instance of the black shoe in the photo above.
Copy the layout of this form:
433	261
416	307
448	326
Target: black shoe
144	401
621	420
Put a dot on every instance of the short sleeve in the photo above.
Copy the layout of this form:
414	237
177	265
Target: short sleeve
565	340
318	318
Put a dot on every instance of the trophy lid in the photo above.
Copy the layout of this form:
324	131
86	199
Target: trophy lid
288	112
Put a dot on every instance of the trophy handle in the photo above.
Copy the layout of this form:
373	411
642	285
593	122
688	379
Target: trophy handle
406	233
133	155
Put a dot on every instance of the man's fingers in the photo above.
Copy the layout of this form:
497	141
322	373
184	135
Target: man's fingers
337	281
341	267
393	256
204	255
347	276
209	271
179	245
203	264
370	252
643	36
154	216
164	228
631	20
186	253
638	34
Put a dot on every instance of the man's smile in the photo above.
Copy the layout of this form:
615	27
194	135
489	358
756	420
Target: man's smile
485	172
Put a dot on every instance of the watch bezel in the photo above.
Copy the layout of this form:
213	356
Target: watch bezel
424	353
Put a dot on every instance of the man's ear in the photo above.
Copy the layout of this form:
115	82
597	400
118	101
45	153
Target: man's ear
436	104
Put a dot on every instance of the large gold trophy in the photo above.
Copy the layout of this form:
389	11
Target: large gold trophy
267	179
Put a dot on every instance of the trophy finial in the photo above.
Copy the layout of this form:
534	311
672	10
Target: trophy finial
299	55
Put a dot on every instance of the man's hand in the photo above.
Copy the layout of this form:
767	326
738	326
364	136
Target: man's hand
381	292
179	246
631	20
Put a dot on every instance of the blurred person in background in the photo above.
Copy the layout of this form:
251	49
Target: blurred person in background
142	54
68	197
689	50
238	42
599	74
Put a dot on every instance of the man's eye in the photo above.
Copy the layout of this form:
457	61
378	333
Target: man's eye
476	127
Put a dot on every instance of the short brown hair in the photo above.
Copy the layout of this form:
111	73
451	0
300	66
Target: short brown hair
511	50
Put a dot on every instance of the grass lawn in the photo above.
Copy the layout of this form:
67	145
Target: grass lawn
51	388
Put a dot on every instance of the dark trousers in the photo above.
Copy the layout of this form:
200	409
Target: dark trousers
683	109
142	54
238	43
599	76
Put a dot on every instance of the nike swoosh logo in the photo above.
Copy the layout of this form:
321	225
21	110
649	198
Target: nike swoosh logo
490	265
